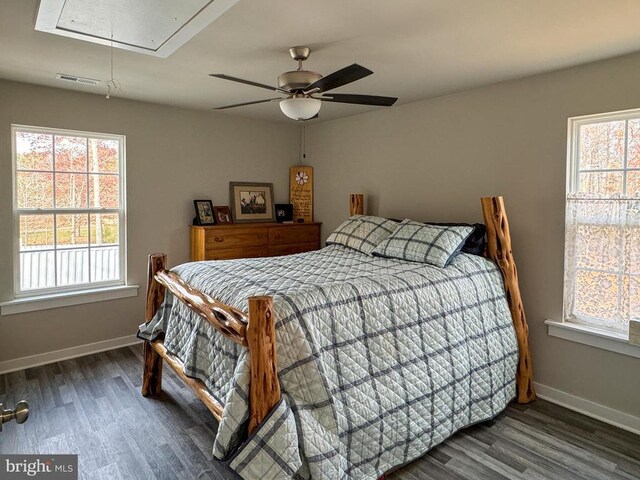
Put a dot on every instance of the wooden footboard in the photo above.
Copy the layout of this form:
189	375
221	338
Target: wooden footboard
255	332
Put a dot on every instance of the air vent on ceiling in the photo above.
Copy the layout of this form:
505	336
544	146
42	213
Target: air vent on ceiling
74	79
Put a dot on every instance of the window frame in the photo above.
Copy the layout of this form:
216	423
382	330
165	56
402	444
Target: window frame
573	180
121	211
573	144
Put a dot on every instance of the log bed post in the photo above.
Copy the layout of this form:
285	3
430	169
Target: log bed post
152	376
264	388
499	250
356	204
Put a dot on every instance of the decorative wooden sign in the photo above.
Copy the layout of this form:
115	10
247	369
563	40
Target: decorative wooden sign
301	192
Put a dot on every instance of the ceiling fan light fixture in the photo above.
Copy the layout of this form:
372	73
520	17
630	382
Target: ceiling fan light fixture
300	108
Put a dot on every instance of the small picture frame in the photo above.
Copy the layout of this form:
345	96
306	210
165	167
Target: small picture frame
222	215
251	202
204	212
284	213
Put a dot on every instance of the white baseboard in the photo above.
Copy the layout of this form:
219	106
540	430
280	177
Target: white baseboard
591	409
66	353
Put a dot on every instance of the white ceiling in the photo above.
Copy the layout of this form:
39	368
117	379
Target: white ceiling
417	48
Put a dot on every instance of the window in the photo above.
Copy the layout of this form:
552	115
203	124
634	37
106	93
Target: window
602	248
69	210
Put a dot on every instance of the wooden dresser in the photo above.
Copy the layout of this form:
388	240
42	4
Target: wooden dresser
246	240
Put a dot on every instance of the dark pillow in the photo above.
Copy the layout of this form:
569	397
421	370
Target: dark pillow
476	242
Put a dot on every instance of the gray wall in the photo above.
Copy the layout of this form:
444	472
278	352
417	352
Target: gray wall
435	159
173	157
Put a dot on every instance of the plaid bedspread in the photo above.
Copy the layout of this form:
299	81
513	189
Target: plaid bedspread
379	359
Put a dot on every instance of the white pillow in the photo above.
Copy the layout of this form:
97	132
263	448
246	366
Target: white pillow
362	232
419	242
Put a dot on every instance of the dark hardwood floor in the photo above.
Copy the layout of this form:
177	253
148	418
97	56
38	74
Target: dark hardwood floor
92	406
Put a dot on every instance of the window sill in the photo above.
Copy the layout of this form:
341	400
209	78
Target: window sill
595	337
66	299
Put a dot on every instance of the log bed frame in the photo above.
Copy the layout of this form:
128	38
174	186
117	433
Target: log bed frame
256	330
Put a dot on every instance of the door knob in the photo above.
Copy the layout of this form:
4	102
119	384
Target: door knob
20	414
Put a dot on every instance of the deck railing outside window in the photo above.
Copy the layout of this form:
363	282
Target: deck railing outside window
38	268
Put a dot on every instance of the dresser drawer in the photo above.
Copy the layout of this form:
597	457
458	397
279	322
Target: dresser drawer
237	252
291	248
216	240
294	234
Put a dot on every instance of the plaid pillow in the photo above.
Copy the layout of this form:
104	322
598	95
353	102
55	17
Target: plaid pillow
417	242
362	232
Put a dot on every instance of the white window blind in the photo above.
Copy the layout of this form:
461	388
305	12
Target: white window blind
602	247
69	210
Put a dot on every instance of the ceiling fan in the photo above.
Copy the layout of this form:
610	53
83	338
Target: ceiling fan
305	90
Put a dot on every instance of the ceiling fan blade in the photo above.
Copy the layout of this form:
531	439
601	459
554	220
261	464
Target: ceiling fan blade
337	79
247	82
359	99
247	103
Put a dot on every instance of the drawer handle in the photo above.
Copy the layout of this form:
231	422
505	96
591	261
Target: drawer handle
277	235
218	239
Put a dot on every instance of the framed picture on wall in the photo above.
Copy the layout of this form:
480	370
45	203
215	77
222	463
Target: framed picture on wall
204	212
251	202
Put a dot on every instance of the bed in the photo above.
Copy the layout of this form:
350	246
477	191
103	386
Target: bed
346	365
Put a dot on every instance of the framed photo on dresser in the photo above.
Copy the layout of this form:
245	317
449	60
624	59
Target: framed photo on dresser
284	213
204	212
251	202
222	215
